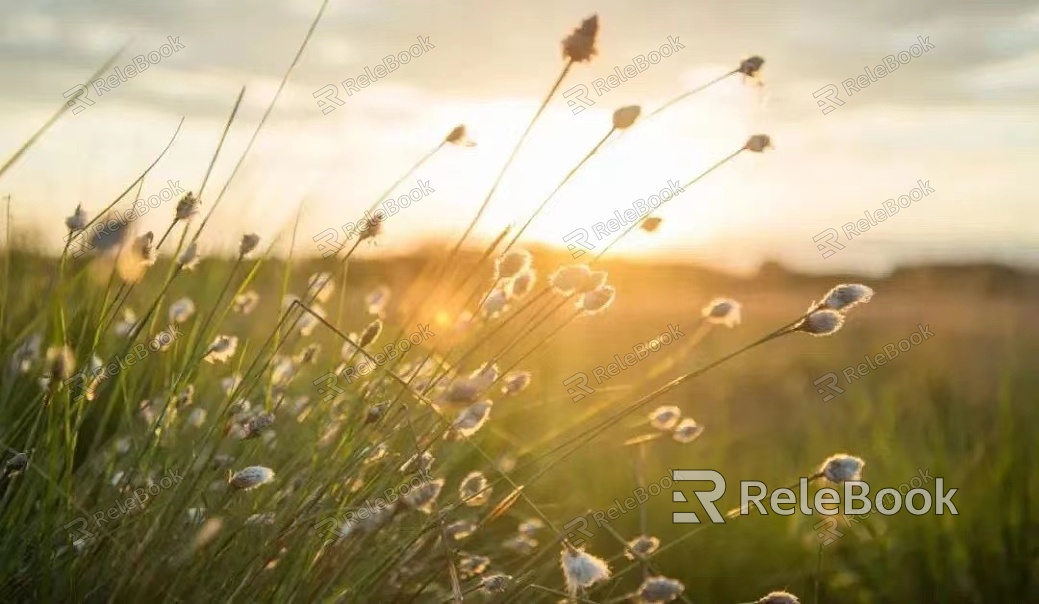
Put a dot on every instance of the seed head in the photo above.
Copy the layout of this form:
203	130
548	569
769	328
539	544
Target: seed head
841	467
751	66
17	464
309	354
423	497
372	227
470	565
257	425
250	478
474	490
626	116
78	220
222	349
522	283
460	529
458	136
495	304
579	46
370	333
722	311
187	206
595	280
660	589
197	417
471	419
496	583
758	143
512	264
597	301
641	546
27	353
248	244
189	258
650	224
779	597
308	322
245	302
665	417
821	323
125	326
847	295
320	287
60	363
530	526
421	463
521	544
515	381
570	278
687	431
182	310
377	299
582	570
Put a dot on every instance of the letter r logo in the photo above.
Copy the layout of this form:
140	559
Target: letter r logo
577	237
831	382
827	98
826	242
583	522
577	99
706	499
581	381
831	534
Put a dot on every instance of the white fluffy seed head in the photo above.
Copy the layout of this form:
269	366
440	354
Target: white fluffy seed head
515	381
495	583
78	220
424	496
471	419
779	597
723	311
222	349
189	258
847	295
665	417
513	263
660	589
250	478
187	206
641	546
182	310
248	243
821	323
687	431
60	363
495	303
570	278
370	333
474	490
582	570
377	299
320	287
246	302
597	301
841	467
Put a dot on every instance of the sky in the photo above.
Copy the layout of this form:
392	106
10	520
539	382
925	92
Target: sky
959	119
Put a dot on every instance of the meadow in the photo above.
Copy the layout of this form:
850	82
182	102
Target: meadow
180	426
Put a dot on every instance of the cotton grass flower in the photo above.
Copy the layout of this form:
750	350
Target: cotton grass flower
250	478
665	417
245	302
660	589
723	311
522	284
758	143
308	322
377	299
821	323
127	324
320	287
512	264
687	431
515	382
650	224
750	66
641	546
78	221
421	463
181	310
460	529
597	301
257	425
59	363
471	419
530	526
579	46
27	353
626	116
424	496
841	467
495	583
581	570
847	295
495	303
372	227
470	565
474	491
248	244
222	349
458	136
570	278
370	333
189	258
187	206
779	597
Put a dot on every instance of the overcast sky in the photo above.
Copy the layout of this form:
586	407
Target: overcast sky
962	117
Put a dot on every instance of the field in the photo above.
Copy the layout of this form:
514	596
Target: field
957	405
